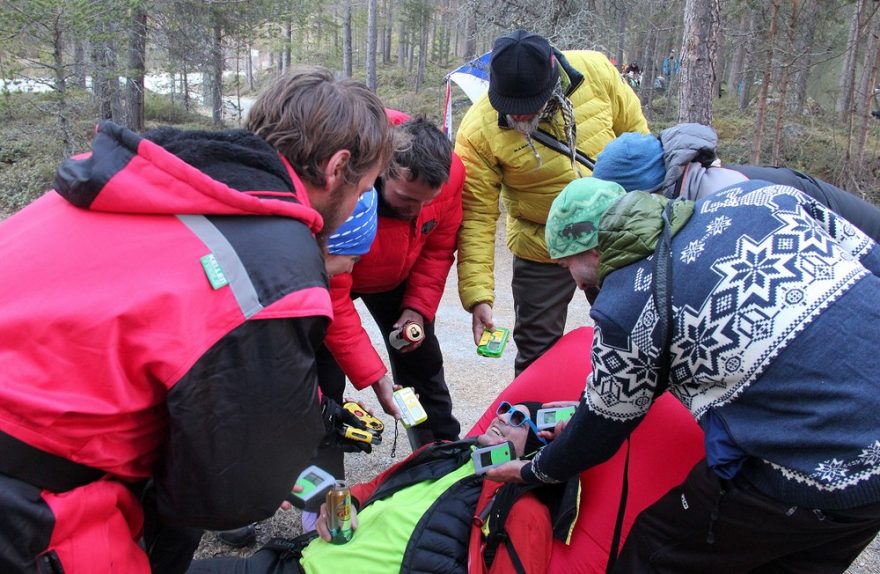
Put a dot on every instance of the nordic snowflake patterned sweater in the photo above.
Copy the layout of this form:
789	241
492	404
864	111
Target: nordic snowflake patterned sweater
774	350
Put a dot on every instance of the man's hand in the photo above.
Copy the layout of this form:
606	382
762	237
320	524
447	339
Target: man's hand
507	472
322	524
551	434
336	419
383	388
407	316
481	320
286	505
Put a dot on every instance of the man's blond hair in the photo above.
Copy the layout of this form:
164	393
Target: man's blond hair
308	115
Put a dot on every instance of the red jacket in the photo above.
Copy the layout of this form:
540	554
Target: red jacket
419	252
120	354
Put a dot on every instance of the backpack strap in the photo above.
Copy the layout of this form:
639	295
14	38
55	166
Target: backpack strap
501	504
662	295
554	144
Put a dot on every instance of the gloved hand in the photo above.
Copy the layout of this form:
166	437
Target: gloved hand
335	420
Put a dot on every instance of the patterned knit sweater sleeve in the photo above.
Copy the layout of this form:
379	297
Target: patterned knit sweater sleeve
594	435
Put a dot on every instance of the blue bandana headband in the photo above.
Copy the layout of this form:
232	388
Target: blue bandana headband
356	234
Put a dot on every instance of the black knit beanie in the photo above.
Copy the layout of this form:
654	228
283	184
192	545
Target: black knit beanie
533	443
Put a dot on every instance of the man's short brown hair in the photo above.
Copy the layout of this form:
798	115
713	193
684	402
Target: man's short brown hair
308	115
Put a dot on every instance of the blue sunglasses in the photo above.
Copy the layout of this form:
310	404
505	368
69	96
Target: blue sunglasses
517	418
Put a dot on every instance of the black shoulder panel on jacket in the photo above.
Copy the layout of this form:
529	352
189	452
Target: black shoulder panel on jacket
280	254
80	180
244	422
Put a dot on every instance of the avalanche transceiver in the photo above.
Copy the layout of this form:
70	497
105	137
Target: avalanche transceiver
315	482
492	456
547	418
372	422
492	342
410	407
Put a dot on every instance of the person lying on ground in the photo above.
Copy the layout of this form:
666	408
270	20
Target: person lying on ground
418	515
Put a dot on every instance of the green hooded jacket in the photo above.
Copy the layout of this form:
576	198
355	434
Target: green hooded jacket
629	230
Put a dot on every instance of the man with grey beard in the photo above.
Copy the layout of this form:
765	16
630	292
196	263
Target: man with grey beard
545	118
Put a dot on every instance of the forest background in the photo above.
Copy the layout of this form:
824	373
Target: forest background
784	82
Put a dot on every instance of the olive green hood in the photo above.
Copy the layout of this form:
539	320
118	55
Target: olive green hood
629	229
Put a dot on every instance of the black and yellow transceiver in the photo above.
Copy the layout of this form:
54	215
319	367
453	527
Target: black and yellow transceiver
362	415
370	435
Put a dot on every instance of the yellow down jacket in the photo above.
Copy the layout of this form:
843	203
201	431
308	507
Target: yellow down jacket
498	161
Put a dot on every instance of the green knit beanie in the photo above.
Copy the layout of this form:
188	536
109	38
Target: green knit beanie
573	221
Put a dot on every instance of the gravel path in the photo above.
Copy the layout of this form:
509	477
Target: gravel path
473	381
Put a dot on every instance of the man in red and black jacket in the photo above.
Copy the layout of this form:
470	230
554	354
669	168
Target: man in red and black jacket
401	279
160	311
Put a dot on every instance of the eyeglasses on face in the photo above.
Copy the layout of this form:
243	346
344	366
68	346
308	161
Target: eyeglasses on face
517	417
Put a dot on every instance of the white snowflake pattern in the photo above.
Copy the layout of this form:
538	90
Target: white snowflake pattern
871	455
718	225
693	250
830	470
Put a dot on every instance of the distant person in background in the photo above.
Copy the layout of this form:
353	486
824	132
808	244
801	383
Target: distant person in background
633	75
683	162
545	117
670	64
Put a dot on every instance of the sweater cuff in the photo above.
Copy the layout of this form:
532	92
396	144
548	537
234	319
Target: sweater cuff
528	475
531	473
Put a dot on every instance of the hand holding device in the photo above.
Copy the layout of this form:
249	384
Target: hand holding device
412	412
492	342
312	483
491	456
548	417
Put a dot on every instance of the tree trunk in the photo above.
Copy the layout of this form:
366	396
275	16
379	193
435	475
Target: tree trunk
848	72
402	44
470	41
217	70
785	74
60	82
748	78
79	64
288	45
866	92
621	34
249	67
423	50
389	29
866	85
735	70
346	40
801	73
372	34
184	86
106	77
646	93
137	55
702	22
758	138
